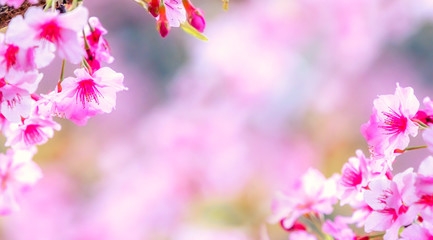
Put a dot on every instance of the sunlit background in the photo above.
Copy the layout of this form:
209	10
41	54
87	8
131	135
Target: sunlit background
209	131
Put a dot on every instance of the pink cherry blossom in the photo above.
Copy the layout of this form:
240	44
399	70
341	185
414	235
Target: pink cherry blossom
17	174
32	131
355	176
15	90
21	58
87	95
427	135
99	48
424	189
338	229
297	235
312	194
391	124
417	232
388	199
202	233
361	211
51	30
426	115
3	122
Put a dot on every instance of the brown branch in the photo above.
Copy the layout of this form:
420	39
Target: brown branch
7	13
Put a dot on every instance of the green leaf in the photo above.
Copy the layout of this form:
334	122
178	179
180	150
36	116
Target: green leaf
191	30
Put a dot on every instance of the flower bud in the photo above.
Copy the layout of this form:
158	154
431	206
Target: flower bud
162	24
195	16
196	20
153	8
163	28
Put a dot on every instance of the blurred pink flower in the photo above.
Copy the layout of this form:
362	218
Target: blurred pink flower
338	229
15	91
202	233
417	232
312	194
424	189
388	200
304	235
18	173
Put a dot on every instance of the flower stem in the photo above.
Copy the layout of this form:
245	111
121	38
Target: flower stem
315	224
53	5
414	148
409	148
379	235
421	124
74	5
86	65
48	4
63	71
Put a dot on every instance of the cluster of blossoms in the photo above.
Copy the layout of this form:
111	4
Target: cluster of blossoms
396	206
30	43
176	13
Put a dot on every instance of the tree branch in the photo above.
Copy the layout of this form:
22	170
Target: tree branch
7	13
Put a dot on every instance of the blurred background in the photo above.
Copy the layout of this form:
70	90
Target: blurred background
209	131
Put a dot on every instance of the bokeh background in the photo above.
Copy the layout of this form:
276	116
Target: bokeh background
209	131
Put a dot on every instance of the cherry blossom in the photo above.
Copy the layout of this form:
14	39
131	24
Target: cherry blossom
18	173
391	124
355	177
312	194
88	94
296	235
99	50
51	30
15	91
417	232
388	199
338	229
424	189
32	131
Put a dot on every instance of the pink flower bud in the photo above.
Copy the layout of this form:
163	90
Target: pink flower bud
162	24
196	19
163	28
195	16
153	8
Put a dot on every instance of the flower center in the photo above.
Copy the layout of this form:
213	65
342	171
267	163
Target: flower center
426	200
2	82
351	177
33	134
94	37
390	211
13	102
10	56
87	92
395	123
50	31
386	193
